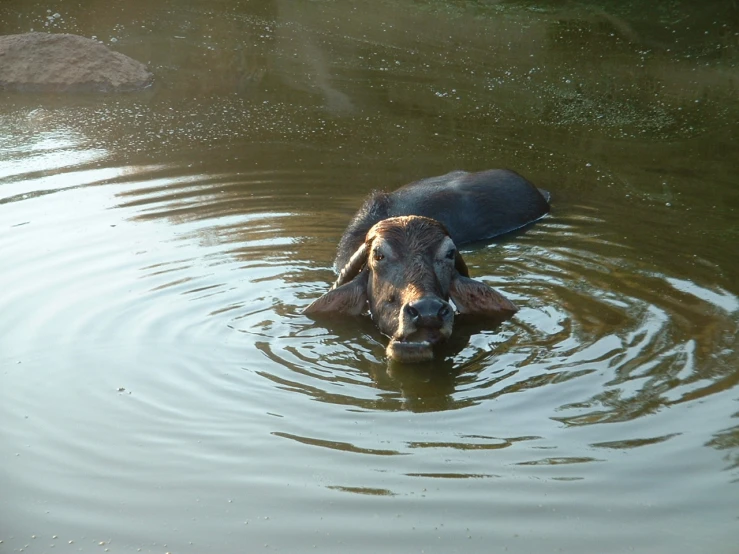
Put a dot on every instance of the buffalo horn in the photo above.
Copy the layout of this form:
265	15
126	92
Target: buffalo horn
460	266
353	266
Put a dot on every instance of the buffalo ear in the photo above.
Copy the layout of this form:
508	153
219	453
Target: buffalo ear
476	298
347	299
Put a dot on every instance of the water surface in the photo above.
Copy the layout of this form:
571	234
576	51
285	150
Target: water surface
160	390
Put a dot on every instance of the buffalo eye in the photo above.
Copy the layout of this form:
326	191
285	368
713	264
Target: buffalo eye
451	253
377	255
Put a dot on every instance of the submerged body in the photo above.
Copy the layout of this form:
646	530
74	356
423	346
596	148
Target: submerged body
399	258
472	207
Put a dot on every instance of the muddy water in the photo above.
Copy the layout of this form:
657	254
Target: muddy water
159	389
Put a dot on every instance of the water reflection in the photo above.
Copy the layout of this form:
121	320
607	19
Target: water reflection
626	329
727	441
157	250
343	446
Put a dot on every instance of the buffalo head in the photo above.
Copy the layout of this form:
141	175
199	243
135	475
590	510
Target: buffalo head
406	271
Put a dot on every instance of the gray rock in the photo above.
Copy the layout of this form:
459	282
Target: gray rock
44	62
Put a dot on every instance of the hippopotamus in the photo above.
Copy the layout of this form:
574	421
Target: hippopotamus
398	258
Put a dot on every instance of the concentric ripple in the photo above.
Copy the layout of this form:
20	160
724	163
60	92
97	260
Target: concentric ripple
153	336
588	312
160	390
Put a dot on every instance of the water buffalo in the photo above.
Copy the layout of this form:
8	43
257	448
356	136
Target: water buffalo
398	256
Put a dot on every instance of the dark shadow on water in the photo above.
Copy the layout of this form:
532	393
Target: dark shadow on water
431	386
337	359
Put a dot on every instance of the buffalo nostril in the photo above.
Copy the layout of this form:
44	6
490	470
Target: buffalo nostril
428	311
412	312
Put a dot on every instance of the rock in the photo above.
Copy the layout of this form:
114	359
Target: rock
44	62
